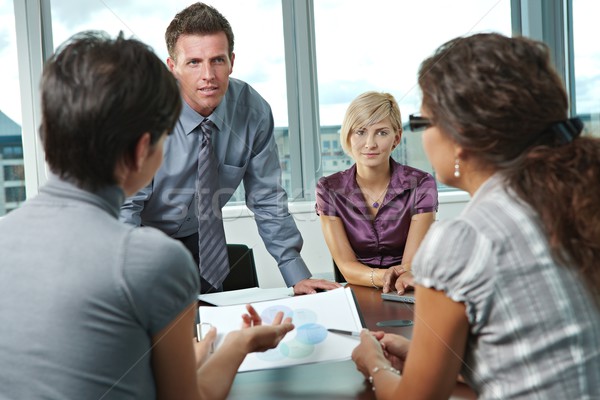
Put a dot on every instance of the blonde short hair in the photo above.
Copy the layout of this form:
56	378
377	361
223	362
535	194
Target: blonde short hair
367	109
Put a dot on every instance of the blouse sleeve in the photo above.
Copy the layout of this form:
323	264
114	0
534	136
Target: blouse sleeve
161	278
325	199
456	259
425	196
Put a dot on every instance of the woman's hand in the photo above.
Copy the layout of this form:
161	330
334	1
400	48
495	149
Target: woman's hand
368	353
252	318
203	347
395	349
397	278
255	336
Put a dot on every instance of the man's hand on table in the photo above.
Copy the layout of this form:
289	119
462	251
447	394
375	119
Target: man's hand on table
310	286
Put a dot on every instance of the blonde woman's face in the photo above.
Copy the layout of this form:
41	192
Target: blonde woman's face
372	145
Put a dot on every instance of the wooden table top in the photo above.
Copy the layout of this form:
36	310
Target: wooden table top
335	380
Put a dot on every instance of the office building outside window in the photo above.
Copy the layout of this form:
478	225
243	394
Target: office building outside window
12	177
587	64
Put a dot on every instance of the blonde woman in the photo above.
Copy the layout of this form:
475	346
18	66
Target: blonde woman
375	213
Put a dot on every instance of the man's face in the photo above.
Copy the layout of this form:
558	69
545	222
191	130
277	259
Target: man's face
202	67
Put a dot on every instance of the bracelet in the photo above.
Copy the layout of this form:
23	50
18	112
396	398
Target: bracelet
377	369
372	281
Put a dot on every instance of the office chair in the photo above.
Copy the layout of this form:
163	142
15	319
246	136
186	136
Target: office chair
242	270
339	278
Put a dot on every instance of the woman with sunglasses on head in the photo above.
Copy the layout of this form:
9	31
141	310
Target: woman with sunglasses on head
375	214
507	293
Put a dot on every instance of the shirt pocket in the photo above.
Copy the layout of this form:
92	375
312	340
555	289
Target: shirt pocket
230	176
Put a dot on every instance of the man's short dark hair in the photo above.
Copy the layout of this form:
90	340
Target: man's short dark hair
99	96
197	19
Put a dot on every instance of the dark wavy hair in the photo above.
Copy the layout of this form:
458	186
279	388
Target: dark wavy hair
498	98
99	96
197	19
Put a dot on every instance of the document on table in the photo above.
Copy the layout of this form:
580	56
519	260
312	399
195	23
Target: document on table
245	296
309	342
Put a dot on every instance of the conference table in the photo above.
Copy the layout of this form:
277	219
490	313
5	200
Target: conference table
332	380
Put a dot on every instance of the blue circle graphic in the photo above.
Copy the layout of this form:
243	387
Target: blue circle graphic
311	333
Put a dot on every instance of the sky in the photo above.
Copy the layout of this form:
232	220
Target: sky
375	45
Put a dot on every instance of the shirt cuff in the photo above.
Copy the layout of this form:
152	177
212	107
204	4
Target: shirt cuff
294	271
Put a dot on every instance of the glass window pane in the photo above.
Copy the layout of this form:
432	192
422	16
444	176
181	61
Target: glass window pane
587	63
12	180
259	53
379	47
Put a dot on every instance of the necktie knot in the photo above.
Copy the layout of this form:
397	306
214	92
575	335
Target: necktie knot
206	127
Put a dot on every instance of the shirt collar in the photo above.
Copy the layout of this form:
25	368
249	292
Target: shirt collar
399	182
190	119
494	182
109	198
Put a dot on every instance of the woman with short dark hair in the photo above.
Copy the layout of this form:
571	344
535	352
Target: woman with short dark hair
91	307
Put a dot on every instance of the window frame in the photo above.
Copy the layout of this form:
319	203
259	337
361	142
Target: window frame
547	20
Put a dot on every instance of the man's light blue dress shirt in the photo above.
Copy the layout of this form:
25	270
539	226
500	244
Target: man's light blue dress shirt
245	148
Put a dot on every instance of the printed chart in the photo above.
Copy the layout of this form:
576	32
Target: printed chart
310	341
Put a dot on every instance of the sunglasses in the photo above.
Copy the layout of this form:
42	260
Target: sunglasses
418	123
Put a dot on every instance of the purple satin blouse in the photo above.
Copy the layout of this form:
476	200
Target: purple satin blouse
378	242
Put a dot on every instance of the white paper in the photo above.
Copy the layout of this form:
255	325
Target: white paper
310	341
245	296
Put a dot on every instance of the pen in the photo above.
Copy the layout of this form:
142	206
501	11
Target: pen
342	332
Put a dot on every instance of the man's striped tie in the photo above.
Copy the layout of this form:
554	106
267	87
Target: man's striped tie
214	263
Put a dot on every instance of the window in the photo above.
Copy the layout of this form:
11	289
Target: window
14	149
15	194
259	53
358	46
11	146
587	64
14	172
379	46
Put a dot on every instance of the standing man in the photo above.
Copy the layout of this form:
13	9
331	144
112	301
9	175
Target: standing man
224	135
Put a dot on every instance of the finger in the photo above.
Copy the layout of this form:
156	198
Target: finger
278	318
399	286
365	334
250	319
328	285
253	314
378	335
210	336
303	288
281	331
246	321
287	327
386	282
389	280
